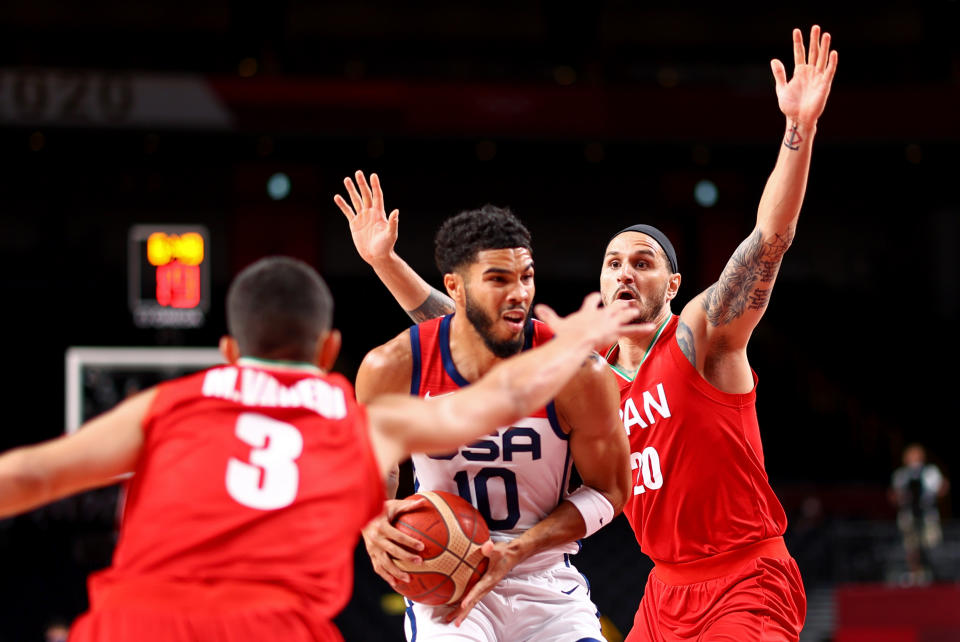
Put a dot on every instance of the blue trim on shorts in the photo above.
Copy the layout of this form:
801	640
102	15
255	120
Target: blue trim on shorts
415	349
444	340
590	639
566	559
413	620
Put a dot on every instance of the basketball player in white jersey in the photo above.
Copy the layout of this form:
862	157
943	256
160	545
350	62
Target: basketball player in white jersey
517	477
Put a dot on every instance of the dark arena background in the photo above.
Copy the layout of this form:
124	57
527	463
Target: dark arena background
238	121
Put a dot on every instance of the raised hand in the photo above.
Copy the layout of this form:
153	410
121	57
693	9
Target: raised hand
602	326
803	98
374	233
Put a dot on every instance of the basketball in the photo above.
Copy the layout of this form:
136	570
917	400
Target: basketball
452	532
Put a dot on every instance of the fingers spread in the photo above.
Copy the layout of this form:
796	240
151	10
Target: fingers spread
799	56
342	204
353	194
814	45
779	73
831	66
364	189
546	314
824	52
377	191
591	301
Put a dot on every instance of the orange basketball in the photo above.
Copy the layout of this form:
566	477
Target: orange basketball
452	532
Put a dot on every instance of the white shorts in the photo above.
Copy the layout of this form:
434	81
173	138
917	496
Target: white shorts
552	605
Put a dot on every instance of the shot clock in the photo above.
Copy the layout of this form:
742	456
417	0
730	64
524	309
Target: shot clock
169	275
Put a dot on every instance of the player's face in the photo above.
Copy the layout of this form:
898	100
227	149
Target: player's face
499	294
636	268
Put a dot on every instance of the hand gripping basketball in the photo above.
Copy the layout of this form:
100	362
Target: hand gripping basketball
452	533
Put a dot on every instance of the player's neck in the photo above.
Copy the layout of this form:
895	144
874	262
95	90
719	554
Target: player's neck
469	352
634	348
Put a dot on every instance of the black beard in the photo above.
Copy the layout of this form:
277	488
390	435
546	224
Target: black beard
483	324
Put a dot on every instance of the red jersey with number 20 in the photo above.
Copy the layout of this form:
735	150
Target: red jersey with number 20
700	487
255	481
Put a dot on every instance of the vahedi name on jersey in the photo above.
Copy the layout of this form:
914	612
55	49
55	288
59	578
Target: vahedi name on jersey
259	388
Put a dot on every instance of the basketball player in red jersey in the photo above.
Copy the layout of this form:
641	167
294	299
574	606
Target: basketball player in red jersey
517	477
252	480
701	505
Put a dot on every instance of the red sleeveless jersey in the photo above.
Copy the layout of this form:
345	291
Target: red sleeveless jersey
254	475
700	487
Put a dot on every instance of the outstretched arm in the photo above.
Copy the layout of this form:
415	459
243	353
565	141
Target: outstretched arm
722	318
375	235
104	448
515	387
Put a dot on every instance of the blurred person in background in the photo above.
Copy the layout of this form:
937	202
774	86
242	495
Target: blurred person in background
56	631
915	488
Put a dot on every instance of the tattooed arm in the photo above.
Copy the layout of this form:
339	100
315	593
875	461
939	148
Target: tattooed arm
374	235
717	324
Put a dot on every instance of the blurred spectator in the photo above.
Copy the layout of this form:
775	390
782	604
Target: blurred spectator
56	631
915	488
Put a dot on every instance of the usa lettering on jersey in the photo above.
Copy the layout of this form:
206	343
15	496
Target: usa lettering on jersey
516	439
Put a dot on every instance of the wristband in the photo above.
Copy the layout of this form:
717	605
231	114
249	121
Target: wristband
596	510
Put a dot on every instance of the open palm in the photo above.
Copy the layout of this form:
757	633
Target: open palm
374	233
803	98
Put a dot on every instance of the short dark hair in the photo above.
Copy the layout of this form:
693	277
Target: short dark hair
278	307
461	237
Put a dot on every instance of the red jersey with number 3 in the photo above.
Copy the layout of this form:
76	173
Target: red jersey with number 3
257	475
700	487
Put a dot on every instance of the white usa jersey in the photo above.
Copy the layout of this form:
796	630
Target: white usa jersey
515	476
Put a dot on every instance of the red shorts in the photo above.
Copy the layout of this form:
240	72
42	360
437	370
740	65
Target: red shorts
761	599
149	611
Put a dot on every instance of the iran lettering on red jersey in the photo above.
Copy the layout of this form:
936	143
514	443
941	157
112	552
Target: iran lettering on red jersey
255	479
699	484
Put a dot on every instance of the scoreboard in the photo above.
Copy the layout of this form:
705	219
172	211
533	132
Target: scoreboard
169	275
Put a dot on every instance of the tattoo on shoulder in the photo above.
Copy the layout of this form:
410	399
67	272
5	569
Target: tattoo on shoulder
436	305
685	341
746	281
